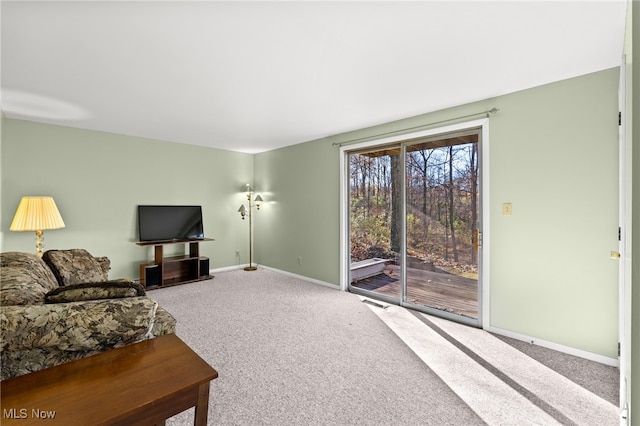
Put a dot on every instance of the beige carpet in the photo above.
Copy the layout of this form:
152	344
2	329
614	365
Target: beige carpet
289	352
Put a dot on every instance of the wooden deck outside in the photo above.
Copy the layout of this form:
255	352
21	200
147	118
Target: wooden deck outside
436	289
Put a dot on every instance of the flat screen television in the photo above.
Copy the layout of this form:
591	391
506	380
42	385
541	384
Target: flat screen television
170	223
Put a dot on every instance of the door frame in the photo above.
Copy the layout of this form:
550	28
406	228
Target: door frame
484	251
624	247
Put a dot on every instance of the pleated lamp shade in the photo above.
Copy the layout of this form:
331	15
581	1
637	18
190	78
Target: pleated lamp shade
36	214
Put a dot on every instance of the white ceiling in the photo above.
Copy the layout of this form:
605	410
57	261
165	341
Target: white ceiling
254	76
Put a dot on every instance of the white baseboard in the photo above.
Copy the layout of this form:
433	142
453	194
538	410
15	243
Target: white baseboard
227	269
302	277
555	346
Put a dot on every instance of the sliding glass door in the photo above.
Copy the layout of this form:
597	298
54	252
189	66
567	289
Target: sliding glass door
442	224
415	224
375	221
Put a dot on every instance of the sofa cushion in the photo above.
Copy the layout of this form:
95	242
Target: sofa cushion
25	279
93	291
74	266
77	326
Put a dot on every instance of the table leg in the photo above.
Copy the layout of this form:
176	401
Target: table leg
202	408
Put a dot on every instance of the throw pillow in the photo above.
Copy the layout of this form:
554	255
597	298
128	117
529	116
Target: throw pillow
24	279
74	266
94	291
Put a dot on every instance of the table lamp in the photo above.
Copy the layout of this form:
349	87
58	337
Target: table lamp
37	214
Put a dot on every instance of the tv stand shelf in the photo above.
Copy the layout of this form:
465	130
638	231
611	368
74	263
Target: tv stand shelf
174	270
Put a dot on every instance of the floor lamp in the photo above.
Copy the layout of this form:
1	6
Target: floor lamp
244	211
37	214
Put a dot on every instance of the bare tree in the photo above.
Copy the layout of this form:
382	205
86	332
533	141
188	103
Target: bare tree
451	207
396	205
473	225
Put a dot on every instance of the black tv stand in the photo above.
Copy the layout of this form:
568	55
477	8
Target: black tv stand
174	270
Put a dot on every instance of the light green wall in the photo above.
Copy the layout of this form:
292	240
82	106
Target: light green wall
97	180
553	154
2	229
301	218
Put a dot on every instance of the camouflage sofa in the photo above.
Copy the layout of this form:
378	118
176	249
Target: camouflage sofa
63	307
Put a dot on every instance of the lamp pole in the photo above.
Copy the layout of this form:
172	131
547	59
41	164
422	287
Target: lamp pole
247	212
250	267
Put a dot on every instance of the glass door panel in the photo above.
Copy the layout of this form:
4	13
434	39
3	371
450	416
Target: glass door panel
442	223
375	222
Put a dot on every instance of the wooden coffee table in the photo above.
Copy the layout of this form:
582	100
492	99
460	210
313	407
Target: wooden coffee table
143	383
